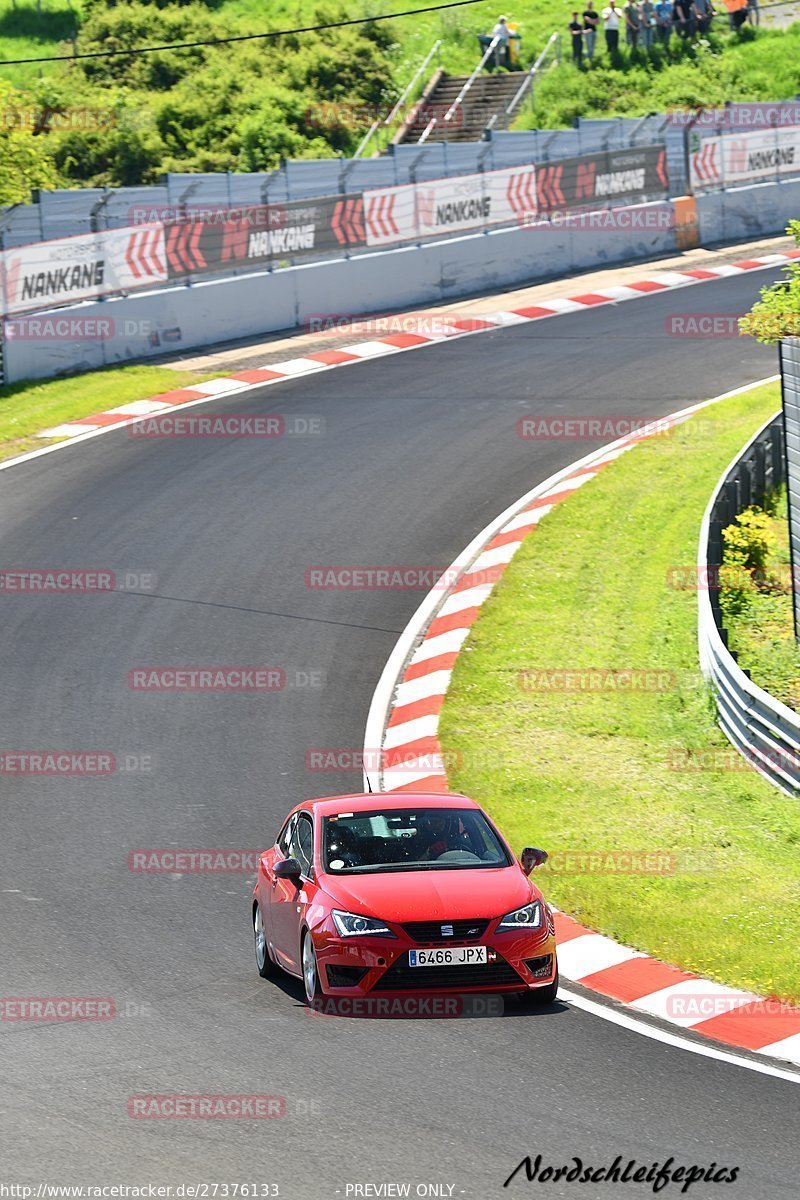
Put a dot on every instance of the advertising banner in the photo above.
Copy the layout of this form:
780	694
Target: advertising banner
208	240
46	274
597	180
744	157
442	206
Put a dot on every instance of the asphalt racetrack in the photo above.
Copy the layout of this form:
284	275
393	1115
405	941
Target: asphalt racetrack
419	452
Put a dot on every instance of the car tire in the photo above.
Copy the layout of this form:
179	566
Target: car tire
311	981
540	997
264	964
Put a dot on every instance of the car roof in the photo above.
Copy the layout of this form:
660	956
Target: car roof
328	806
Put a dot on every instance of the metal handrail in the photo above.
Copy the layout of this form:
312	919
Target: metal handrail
435	48
537	66
427	131
487	54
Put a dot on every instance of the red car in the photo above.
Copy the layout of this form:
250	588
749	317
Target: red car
380	895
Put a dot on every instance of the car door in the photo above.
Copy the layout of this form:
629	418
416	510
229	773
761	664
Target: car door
287	896
266	878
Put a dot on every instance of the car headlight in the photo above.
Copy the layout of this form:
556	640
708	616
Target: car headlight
352	925
529	917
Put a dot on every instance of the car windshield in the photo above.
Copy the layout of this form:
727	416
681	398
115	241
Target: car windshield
413	839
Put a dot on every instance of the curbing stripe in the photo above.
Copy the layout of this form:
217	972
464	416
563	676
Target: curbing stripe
398	343
409	737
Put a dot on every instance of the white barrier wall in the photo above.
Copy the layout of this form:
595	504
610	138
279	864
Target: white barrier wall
760	210
149	324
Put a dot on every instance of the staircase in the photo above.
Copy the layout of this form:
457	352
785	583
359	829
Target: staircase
488	97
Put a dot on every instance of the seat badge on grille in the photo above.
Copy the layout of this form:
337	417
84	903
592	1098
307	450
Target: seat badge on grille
447	931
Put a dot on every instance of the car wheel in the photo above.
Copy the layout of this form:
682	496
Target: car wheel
265	965
311	982
540	997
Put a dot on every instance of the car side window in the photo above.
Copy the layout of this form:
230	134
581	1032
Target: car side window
302	843
285	836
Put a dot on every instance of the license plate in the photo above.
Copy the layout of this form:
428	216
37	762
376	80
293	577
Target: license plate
452	956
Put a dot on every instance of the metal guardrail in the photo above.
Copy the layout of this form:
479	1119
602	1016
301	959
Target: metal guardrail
765	731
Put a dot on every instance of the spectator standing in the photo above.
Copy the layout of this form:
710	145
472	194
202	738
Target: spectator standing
704	13
753	15
648	23
591	19
683	17
576	37
611	20
664	21
501	50
633	23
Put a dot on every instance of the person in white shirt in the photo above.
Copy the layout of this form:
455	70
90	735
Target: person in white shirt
501	51
611	19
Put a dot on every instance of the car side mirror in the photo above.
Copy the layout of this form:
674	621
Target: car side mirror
531	858
288	868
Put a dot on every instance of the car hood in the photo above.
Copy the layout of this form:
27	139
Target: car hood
432	895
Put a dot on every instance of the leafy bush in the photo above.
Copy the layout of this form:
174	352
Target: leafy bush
243	107
25	161
749	541
777	314
749	544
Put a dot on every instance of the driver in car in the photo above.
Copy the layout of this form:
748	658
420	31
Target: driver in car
436	836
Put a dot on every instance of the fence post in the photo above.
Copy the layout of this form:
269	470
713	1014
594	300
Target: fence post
759	474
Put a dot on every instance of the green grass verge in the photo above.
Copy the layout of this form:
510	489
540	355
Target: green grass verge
262	102
27	408
591	771
759	620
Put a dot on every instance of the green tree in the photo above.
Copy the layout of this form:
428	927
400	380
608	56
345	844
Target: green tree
26	161
777	314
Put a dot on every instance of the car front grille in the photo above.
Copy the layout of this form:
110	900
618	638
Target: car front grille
429	933
401	977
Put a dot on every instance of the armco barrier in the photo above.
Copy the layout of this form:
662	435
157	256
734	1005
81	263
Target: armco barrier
146	324
763	729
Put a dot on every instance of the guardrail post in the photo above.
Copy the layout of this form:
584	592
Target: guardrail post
745	485
776	456
760	473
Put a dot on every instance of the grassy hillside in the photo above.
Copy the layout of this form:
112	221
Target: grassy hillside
245	106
